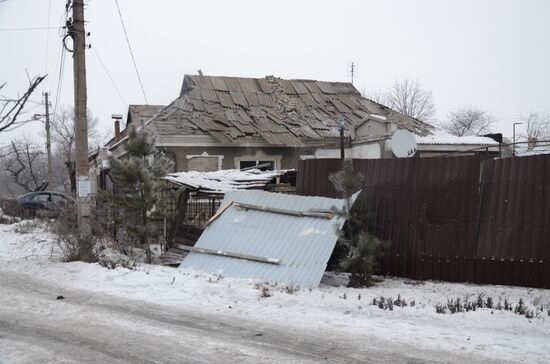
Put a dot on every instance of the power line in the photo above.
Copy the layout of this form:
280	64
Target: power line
131	53
60	77
62	59
25	29
110	77
47	39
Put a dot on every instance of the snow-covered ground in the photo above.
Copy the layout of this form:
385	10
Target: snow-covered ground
492	334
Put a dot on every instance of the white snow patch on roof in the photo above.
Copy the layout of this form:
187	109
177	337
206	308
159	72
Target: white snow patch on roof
224	180
440	137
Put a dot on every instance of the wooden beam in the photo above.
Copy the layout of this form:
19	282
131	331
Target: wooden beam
323	214
218	213
230	255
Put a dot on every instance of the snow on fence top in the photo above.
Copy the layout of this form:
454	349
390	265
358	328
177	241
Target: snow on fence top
448	139
224	180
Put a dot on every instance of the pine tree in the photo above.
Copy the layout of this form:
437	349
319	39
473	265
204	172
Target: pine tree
138	185
362	248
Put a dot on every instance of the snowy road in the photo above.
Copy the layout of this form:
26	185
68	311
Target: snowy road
88	327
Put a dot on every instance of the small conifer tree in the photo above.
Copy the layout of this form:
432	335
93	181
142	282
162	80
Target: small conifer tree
362	249
138	185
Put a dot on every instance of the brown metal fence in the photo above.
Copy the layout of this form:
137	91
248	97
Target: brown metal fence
455	218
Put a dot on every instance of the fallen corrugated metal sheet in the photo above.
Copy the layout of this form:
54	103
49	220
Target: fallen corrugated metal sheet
302	245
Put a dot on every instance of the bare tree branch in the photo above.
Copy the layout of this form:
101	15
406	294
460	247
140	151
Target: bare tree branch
63	135
409	98
25	163
12	108
463	121
537	127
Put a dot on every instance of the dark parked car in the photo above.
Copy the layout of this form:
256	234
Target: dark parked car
29	204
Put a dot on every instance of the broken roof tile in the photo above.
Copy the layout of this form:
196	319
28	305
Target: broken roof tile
219	84
238	98
299	87
252	99
248	85
287	87
326	87
209	95
266	100
265	85
225	100
233	84
339	105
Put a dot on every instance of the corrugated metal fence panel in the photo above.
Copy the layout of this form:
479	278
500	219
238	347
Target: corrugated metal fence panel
312	178
514	236
444	224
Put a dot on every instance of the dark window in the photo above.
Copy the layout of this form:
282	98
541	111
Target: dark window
42	197
262	165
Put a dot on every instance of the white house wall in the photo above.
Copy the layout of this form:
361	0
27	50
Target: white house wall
362	151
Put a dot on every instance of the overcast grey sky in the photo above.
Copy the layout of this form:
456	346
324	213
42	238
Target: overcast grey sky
494	55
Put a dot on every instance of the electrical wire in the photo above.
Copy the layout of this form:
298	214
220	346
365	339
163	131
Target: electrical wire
63	35
47	41
25	29
131	53
60	78
109	75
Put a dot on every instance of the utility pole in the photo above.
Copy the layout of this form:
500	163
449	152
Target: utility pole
48	140
76	30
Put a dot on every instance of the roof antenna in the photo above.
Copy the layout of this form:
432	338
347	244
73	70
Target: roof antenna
352	70
200	73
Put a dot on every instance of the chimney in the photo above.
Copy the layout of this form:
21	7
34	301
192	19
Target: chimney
117	118
200	72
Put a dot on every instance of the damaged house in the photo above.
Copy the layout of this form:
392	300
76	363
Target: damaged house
234	123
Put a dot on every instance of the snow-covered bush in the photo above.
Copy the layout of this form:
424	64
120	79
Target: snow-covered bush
465	305
68	237
361	248
387	303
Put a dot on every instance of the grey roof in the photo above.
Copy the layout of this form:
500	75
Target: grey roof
136	115
281	112
303	244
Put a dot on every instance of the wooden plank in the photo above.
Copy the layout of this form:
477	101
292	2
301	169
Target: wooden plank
218	213
230	255
323	214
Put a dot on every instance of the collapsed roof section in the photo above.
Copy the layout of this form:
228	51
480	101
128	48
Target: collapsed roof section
269	237
222	181
278	112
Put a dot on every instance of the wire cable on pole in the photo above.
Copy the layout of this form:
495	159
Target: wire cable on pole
47	41
131	53
110	77
26	29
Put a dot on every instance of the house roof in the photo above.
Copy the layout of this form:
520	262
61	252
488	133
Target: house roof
136	115
141	113
236	110
289	249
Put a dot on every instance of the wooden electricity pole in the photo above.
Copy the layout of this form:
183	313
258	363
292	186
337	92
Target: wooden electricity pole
81	129
48	140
